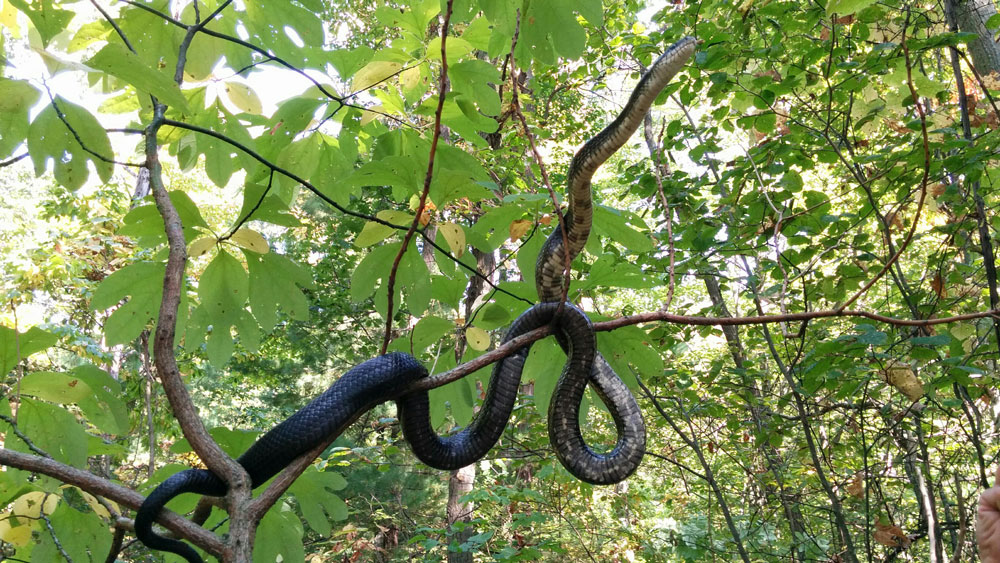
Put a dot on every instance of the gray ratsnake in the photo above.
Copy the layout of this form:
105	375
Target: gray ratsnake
383	378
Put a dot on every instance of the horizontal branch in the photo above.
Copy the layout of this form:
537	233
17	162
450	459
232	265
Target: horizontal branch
102	487
790	317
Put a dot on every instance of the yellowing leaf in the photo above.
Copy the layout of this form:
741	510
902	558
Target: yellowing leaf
244	98
410	78
30	505
519	228
8	20
901	377
455	236
477	338
201	246
371	114
18	536
251	240
97	507
373	233
373	73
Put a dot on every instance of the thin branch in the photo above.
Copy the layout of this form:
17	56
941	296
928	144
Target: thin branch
326	199
114	25
24	438
13	160
62	117
102	487
923	179
515	102
442	91
238	41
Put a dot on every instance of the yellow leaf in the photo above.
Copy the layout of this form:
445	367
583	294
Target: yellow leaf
477	338
251	240
97	507
373	73
8	19
901	377
371	114
30	505
410	78
455	236
244	98
200	246
519	228
18	536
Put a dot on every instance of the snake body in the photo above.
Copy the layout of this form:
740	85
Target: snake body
384	378
550	281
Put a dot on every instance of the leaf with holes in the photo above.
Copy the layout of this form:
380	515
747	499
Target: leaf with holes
70	144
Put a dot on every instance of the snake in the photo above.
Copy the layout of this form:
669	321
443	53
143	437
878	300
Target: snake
387	377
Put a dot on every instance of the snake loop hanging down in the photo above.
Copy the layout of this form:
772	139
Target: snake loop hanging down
383	378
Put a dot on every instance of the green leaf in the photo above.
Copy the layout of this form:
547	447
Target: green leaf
620	227
550	28
545	363
48	20
233	442
52	429
55	387
16	99
27	343
492	316
370	270
279	534
104	407
476	78
846	7
274	282
223	289
142	284
49	137
81	534
319	506
116	60
628	348
429	330
869	335
145	224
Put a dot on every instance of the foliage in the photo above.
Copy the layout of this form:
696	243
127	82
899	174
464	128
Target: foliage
815	163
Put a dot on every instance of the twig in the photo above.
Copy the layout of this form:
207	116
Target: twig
326	199
390	284
923	179
515	103
52	530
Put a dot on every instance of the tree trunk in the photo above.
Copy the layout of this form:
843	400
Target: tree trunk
971	16
461	480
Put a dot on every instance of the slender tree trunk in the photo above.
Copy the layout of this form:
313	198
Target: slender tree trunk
461	481
971	16
772	458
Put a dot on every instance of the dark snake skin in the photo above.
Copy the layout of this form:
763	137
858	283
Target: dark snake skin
550	279
385	377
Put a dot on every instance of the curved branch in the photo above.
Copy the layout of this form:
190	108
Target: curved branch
103	488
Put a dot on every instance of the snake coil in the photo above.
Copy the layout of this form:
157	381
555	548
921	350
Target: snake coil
383	378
